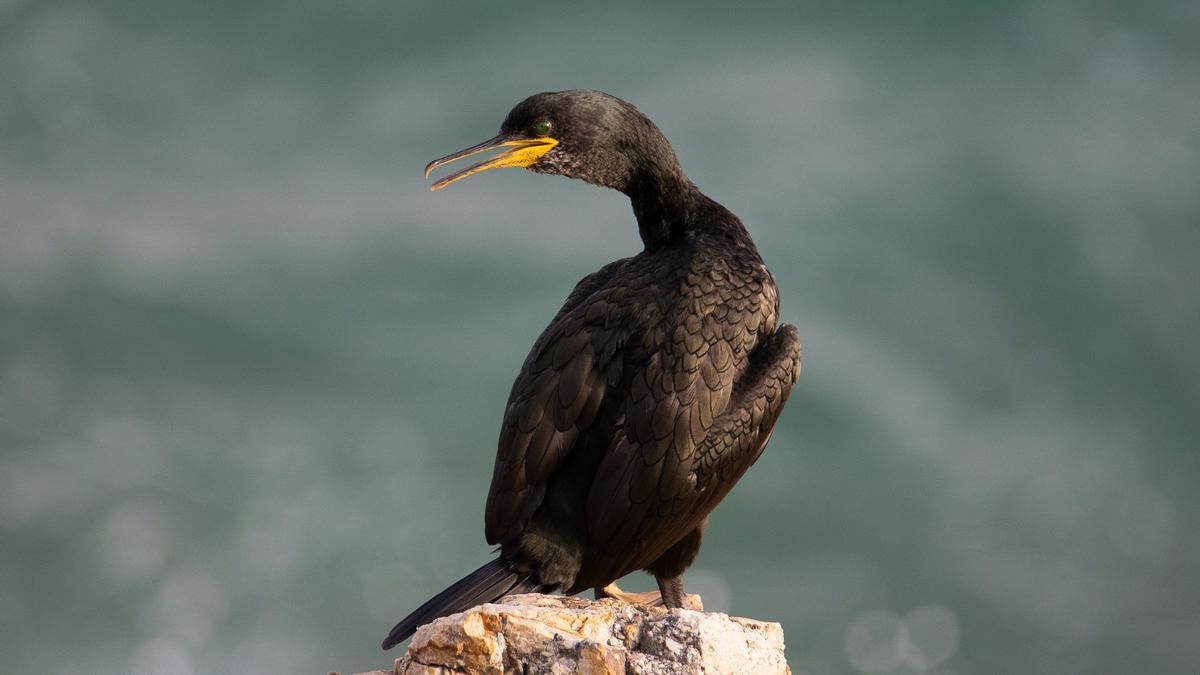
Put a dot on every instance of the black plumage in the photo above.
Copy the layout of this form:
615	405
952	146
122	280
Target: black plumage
652	390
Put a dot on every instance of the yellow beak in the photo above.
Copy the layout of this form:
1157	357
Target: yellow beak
519	152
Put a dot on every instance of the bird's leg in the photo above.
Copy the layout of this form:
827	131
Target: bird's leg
649	598
668	570
673	596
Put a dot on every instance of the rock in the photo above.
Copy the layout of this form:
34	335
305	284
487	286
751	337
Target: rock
552	635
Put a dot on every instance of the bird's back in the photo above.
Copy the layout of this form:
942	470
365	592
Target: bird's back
597	469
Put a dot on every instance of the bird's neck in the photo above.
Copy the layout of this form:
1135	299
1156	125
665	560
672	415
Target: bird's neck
665	204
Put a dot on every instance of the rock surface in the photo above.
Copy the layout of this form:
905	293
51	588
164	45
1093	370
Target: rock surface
549	635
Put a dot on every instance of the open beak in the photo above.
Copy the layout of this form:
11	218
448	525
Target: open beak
518	152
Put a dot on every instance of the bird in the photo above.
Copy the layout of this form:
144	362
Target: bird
652	390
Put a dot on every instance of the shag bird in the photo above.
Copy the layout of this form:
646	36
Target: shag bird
651	392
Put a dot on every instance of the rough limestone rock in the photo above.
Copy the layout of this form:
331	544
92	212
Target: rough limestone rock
551	635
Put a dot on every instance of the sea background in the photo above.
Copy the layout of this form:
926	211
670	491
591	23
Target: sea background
252	371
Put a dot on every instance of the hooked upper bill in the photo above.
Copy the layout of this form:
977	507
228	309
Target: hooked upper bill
520	151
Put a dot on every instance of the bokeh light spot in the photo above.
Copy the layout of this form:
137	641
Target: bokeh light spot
873	642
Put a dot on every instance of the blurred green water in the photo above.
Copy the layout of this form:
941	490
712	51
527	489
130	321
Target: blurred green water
251	372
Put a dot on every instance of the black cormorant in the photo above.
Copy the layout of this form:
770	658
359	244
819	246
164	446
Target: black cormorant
652	390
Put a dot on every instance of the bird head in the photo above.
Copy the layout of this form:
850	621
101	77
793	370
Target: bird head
579	133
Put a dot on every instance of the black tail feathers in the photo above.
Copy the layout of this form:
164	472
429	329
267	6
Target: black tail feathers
487	584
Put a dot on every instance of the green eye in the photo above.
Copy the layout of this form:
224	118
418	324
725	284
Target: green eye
541	127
